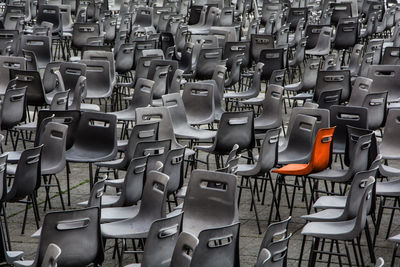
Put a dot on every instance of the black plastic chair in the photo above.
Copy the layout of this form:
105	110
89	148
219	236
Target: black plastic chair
95	140
76	232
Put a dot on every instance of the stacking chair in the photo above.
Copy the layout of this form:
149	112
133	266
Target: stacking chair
226	255
151	209
26	181
261	169
384	77
181	256
258	43
160	242
333	80
208	59
359	91
198	99
376	104
40	46
78	235
234	128
346	230
323	46
210	205
95	140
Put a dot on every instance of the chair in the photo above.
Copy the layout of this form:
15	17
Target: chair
258	43
208	206
40	46
234	128
185	245
95	140
329	98
198	100
151	209
208	59
76	232
217	255
261	169
346	33
323	45
273	59
98	79
160	242
359	91
376	104
26	181
271	115
263	258
333	80
341	117
181	128
102	55
385	79
6	64
347	230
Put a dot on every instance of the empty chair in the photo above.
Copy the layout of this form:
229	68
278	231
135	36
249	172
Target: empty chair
385	78
333	80
77	233
7	63
208	59
323	45
40	46
271	115
185	244
95	140
389	146
217	255
359	91
376	105
198	99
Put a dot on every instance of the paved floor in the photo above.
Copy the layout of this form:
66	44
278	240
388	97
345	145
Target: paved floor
249	238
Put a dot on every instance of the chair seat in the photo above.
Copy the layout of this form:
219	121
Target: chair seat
106	201
201	30
294	169
194	133
118	213
302	96
129	228
330	230
294	87
391	188
95	94
324	215
317	52
240	95
13	156
133	265
30	126
333	175
254	101
79	155
290	157
246	169
330	202
388	171
23	263
125	115
395	238
117	183
156	103
115	164
389	152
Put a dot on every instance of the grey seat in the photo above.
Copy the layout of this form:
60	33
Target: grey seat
271	115
323	45
160	242
76	232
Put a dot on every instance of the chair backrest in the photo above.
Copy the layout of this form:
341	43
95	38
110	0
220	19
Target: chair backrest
198	99
50	13
97	132
220	244
263	258
360	90
279	250
272	106
355	59
233	49
183	251
391	128
27	174
329	98
258	43
33	82
71	72
353	133
54	140
208	59
332	80
124	58
173	167
268	155
205	205
163	117
385	78
273	59
312	32
161	240
82	32
140	133
101	55
275	231
235	128
40	46
322	149
175	85
391	56
98	77
6	64
77	233
346	33
53	253
310	76
96	194
13	108
341	116
376	105
364	207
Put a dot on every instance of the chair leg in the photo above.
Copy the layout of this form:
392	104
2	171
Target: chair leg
355	253
68	185
396	246
303	243
313	252
347	253
60	192
3	207
391	218
338	252
360	251
255	206
370	244
379	219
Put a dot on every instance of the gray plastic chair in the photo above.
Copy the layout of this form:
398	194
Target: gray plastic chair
385	78
185	245
220	244
53	253
160	242
181	128
7	63
198	99
95	140
376	104
323	46
389	147
346	231
206	206
151	209
359	90
76	232
271	115
261	169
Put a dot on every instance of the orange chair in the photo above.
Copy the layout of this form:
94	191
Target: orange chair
320	160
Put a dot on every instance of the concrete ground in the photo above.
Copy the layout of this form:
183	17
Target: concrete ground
249	238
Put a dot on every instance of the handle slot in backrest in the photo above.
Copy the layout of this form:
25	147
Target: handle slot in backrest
177	159
334	78
98	123
213	185
146	133
348	116
158	187
238	121
73	224
218	242
168	231
384	73
153	151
